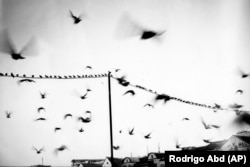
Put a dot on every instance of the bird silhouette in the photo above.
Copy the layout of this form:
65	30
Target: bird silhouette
208	126
243	74
8	114
130	91
147	136
67	115
163	97
81	130
84	120
43	95
61	148
116	147
84	96
120	131
239	91
88	90
148	34
235	106
39	109
25	80
89	67
38	151
148	105
185	119
122	81
57	128
76	19
41	119
131	132
117	70
207	141
7	46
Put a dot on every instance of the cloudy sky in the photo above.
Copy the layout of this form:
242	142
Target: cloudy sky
198	57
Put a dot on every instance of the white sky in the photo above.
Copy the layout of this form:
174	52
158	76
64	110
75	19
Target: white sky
205	43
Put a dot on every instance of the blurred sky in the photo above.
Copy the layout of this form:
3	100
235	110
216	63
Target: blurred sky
198	57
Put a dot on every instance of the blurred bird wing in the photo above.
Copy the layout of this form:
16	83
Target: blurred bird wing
31	48
6	44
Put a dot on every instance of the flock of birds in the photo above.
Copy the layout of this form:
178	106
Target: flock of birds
144	34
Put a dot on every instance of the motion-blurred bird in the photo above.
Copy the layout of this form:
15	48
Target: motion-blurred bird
75	18
208	126
147	136
8	114
57	128
117	70
61	148
239	91
43	95
235	106
7	46
243	74
81	130
147	34
130	91
185	119
122	81
41	119
39	109
89	67
38	151
163	97
131	132
148	105
116	147
25	80
67	115
84	120
84	96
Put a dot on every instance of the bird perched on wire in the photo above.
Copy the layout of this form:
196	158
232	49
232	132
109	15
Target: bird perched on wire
8	114
131	132
7	46
43	95
216	107
38	151
147	136
130	91
67	115
163	97
25	80
116	147
76	19
41	119
61	148
148	105
39	109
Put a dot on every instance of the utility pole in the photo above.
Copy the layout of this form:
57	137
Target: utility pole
110	120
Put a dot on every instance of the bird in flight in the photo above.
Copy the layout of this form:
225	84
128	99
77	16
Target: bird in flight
148	105
8	47
43	95
56	129
38	151
243	74
25	80
131	132
89	67
40	109
84	96
235	106
67	115
163	97
116	147
77	19
147	34
81	130
61	148
8	114
41	119
147	136
84	120
185	119
239	91
208	126
130	91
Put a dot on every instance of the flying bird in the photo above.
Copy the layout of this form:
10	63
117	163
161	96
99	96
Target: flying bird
56	129
8	114
41	119
147	136
243	74
38	151
148	34
122	81
120	131
148	105
61	148
67	115
163	97
84	96
7	46
43	95
239	91
25	80
40	109
208	126
84	120
185	119
89	67
77	19
235	106
130	91
116	147
81	130
117	70
131	132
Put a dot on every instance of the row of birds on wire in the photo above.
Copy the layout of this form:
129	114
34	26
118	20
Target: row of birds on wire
127	27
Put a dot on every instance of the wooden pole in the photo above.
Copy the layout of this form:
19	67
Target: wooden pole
110	120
